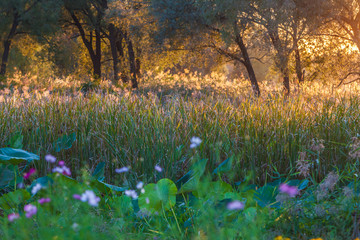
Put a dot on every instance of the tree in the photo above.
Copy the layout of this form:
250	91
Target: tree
33	17
279	21
123	18
341	19
345	15
87	16
220	22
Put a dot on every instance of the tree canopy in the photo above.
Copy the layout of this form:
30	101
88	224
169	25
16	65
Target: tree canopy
119	40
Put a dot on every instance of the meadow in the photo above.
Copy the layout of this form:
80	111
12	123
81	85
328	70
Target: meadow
184	156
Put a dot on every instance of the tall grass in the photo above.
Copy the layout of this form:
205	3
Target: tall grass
154	125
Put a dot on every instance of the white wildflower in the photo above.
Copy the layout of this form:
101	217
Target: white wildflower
90	197
195	142
122	170
140	185
36	188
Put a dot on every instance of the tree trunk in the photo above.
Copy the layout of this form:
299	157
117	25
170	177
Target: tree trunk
282	58
97	56
112	38
247	63
7	45
120	49
138	67
286	80
299	72
5	57
131	53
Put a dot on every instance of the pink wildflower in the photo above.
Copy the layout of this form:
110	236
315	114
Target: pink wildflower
61	163
63	170
44	200
77	196
89	197
30	210
13	216
290	190
30	173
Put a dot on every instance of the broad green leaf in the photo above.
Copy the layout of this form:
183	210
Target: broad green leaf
99	171
64	142
13	199
105	188
304	183
16	156
265	196
161	195
68	181
225	166
113	187
7	174
122	203
189	181
250	214
16	141
43	181
190	186
216	190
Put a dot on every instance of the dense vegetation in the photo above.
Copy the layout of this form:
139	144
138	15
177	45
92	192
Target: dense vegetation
115	141
179	119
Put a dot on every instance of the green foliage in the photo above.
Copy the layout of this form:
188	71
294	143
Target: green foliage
159	196
225	166
264	136
16	141
166	212
16	156
216	190
190	180
65	142
13	199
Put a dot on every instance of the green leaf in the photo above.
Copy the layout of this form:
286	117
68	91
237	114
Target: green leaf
16	156
304	183
62	179
190	186
99	171
105	188
122	203
161	195
7	175
216	190
266	196
114	188
13	199
43	181
189	181
64	142
225	166
250	214
16	141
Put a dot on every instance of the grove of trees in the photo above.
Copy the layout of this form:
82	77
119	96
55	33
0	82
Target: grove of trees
302	40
